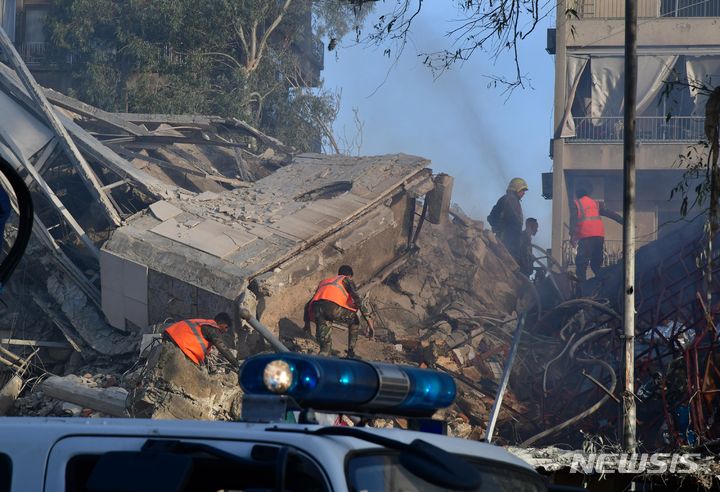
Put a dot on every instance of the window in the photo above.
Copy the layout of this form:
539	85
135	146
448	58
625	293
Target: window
194	468
35	25
384	473
34	46
5	473
7	16
689	8
669	108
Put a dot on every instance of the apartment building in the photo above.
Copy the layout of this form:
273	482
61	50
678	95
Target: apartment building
678	51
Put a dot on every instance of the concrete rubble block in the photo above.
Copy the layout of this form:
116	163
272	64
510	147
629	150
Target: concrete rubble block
148	341
74	389
439	199
175	388
71	409
9	393
447	363
457	337
443	327
411	284
86	319
472	373
496	369
463	355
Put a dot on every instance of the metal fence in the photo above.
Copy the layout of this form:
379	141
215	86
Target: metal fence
615	9
33	52
612	254
647	128
689	8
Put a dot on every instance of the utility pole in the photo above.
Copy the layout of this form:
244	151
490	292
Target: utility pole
628	361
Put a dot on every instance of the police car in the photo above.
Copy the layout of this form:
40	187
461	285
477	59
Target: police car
286	451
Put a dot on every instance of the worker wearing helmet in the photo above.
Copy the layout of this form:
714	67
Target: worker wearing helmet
506	218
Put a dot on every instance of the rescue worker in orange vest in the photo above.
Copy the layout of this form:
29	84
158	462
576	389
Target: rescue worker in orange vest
336	300
588	231
195	337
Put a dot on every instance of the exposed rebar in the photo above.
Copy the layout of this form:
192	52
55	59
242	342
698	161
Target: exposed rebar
504	380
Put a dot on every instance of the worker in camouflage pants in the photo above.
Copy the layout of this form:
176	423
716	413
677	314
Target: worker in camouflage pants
336	301
326	313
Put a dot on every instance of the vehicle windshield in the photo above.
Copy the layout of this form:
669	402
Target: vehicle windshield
384	473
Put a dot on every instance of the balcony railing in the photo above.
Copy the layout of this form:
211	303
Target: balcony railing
612	254
34	52
647	128
615	9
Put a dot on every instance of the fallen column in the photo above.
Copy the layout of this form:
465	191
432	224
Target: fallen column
69	388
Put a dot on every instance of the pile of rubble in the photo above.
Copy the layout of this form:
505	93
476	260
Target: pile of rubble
452	307
451	304
144	219
40	403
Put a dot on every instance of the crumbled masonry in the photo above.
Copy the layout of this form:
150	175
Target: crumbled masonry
190	215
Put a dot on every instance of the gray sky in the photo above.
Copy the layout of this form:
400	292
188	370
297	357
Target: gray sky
468	130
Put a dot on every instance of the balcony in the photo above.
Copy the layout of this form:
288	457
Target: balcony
615	9
648	129
33	52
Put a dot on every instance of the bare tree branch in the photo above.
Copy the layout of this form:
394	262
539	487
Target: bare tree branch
275	23
225	56
492	26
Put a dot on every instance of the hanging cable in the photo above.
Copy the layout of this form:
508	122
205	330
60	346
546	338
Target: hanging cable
25	222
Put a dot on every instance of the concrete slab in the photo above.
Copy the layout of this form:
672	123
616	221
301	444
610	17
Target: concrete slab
219	243
113	307
163	210
136	312
207	236
134	280
111	269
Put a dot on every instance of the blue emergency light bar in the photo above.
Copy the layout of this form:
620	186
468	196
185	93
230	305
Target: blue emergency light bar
349	385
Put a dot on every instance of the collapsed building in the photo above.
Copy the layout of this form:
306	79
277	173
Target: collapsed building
146	218
218	249
141	219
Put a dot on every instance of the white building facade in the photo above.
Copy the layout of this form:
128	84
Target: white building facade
678	63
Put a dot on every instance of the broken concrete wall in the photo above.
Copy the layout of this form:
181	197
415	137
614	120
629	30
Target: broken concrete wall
199	250
174	299
171	299
368	245
170	386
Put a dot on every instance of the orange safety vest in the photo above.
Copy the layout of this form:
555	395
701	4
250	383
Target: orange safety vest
589	222
332	289
187	334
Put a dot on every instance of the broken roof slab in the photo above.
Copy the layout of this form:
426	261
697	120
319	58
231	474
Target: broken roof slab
220	241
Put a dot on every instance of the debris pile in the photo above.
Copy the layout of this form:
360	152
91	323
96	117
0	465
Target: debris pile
167	385
142	219
451	304
74	396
